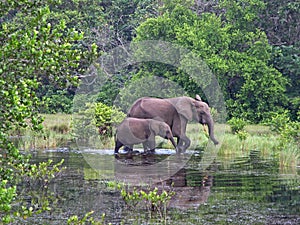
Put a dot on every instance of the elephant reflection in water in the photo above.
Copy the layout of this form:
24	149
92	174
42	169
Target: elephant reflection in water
186	196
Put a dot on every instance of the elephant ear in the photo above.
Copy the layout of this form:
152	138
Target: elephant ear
185	106
155	126
198	98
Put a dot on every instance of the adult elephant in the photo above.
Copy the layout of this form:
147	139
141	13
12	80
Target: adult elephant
176	112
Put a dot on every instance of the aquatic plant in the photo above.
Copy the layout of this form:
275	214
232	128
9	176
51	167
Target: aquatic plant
150	199
86	219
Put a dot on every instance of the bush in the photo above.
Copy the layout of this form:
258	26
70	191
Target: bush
279	122
289	131
97	119
237	125
106	117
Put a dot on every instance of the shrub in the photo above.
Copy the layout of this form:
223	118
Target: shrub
237	125
97	119
87	219
279	121
106	117
151	199
289	131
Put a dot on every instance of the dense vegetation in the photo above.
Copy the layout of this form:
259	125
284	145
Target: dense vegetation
252	46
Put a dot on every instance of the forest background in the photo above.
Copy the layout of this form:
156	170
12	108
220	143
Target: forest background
251	46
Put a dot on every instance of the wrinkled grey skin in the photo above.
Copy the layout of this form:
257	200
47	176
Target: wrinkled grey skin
176	112
133	131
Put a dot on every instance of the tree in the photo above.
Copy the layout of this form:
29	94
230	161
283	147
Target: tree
236	52
32	48
108	24
281	22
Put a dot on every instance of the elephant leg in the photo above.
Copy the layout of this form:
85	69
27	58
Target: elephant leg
146	146
128	149
183	143
180	144
151	143
118	145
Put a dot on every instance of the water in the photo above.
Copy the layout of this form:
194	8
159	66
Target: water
245	190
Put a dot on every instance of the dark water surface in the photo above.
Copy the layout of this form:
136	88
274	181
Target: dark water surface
245	190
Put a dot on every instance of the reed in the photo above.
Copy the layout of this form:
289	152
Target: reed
267	143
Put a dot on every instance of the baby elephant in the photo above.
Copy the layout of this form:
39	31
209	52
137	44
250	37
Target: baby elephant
135	131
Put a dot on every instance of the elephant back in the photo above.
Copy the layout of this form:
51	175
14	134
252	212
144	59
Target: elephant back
153	108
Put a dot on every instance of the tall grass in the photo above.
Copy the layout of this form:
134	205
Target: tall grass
56	133
260	139
233	146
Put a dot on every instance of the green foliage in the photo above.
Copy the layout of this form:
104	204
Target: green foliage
157	201
294	108
87	219
41	174
33	180
122	17
109	91
236	52
97	119
106	24
242	135
7	195
33	48
59	101
280	20
279	122
289	131
289	138
151	199
105	117
242	14
237	126
66	18
287	60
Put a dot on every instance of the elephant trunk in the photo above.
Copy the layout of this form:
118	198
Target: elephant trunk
173	142
210	124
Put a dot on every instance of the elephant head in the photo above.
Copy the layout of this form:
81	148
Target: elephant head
163	130
197	110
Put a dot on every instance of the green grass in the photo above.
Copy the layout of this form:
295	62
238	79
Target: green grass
57	121
56	133
259	138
